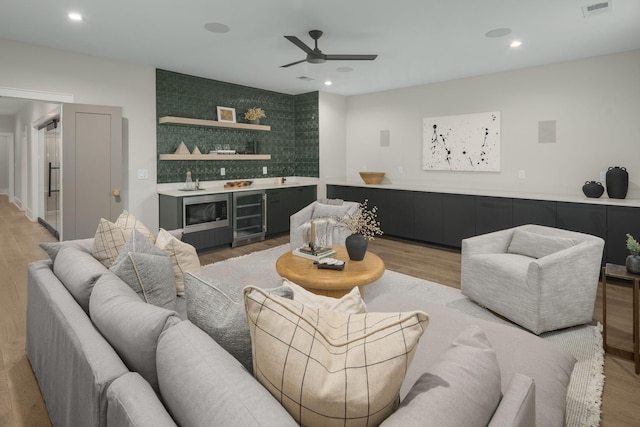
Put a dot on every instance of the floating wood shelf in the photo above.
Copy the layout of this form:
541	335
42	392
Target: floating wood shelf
211	123
215	156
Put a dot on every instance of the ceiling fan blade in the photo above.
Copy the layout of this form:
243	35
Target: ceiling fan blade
350	57
298	42
293	63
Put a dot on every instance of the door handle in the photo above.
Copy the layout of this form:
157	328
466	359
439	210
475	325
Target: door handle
116	193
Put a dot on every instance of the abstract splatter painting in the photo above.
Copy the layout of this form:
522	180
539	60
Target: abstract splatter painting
465	142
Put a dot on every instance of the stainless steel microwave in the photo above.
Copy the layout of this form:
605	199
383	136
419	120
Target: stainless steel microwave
205	212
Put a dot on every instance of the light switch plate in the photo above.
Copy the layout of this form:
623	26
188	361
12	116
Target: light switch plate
143	173
222	171
521	173
264	170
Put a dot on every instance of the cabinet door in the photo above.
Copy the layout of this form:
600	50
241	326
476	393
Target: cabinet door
582	217
277	221
427	217
298	197
620	221
348	193
539	212
493	214
459	218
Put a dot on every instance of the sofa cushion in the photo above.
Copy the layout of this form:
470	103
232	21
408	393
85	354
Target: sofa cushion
218	309
128	222
462	389
131	402
326	367
321	210
518	405
130	325
183	256
53	248
209	387
147	270
537	245
349	303
517	351
108	241
78	271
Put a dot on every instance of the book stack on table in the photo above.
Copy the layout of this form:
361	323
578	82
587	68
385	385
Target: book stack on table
315	255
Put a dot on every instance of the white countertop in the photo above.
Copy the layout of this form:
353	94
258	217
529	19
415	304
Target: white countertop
573	198
216	187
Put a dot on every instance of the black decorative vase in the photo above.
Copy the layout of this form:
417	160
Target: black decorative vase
356	247
633	264
592	189
617	182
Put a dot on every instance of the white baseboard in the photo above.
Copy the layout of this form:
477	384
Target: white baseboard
4	191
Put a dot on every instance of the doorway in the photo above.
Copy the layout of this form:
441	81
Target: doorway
50	215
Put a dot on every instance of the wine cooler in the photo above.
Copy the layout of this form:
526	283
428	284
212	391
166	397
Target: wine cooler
249	217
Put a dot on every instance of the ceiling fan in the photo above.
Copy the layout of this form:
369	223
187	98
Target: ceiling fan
315	56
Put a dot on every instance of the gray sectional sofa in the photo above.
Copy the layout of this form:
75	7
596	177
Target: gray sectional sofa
122	362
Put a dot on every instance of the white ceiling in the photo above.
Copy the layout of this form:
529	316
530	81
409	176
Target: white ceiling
417	41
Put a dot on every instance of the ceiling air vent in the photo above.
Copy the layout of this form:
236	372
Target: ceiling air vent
305	78
596	8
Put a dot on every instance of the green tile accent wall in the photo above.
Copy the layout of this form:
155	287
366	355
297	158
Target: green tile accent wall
293	141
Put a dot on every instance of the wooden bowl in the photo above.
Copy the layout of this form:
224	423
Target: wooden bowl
372	177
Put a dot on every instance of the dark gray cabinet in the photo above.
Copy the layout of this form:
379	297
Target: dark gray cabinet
493	214
428	217
395	211
284	202
620	221
459	213
539	212
582	217
351	194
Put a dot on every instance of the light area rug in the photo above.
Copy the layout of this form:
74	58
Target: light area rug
583	342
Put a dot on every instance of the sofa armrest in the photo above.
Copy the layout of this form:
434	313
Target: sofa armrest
131	402
73	363
517	407
300	217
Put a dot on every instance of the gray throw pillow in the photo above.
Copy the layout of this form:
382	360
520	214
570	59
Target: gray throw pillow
218	309
537	245
463	388
78	271
147	270
52	248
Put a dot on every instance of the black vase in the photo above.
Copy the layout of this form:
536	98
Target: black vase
356	247
617	182
592	189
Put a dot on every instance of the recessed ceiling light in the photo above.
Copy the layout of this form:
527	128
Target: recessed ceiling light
498	32
328	83
515	43
344	69
216	27
75	16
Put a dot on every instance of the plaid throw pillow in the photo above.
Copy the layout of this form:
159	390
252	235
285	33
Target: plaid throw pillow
329	368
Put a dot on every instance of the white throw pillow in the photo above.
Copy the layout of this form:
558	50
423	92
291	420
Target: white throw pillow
329	368
537	245
184	257
349	303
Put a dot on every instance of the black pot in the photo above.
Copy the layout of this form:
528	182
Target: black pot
592	189
356	247
617	182
633	264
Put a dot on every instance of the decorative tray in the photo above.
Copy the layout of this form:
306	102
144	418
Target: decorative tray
235	184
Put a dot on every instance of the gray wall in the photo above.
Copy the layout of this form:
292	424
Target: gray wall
595	103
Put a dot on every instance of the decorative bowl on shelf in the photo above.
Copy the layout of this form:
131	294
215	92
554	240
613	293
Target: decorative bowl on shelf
372	177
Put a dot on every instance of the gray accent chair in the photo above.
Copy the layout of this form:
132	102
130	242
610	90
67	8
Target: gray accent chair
541	278
322	212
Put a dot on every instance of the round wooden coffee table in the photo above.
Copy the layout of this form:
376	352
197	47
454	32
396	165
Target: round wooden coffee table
331	283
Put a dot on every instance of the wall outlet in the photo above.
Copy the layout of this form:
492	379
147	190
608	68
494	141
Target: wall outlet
400	170
264	170
521	174
603	177
222	171
143	173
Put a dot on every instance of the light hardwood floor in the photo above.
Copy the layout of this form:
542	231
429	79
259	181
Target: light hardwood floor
20	399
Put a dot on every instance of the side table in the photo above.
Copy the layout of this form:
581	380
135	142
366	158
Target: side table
620	272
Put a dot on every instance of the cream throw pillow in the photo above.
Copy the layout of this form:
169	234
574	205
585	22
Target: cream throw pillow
350	303
110	238
184	257
127	221
325	366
